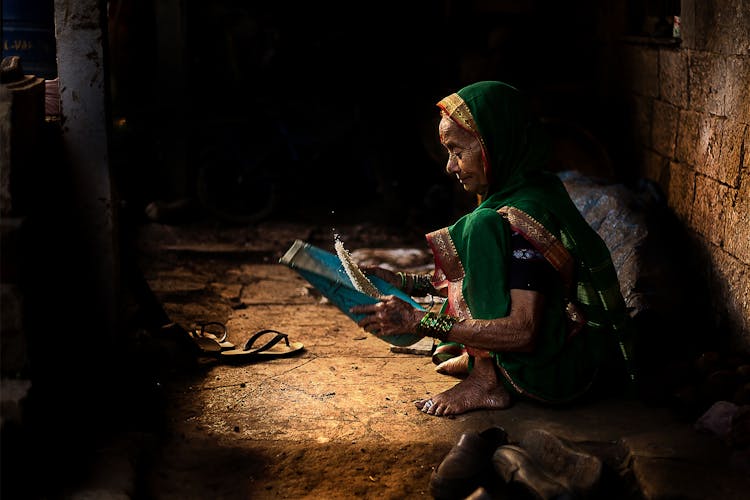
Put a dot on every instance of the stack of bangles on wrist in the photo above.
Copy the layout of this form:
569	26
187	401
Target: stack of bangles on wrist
415	284
436	325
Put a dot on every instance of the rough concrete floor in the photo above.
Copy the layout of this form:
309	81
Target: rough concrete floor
338	420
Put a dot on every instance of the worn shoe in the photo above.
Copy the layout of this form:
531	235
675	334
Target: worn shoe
468	465
580	472
479	494
517	468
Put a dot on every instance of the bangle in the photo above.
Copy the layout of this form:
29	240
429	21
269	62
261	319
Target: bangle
403	280
436	325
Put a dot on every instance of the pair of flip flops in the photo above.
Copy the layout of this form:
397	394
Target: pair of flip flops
211	340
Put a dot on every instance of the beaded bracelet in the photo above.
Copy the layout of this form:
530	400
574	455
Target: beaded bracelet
436	325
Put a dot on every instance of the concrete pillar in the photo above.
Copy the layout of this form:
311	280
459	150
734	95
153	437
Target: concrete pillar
83	98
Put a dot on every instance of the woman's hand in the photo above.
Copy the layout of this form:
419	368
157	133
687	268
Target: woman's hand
384	274
390	316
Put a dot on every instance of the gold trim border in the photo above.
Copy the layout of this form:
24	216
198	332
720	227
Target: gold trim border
544	241
457	109
446	254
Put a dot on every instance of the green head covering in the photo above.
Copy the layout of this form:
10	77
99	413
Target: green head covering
514	145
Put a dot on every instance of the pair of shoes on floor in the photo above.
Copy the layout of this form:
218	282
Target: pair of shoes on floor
468	465
209	340
541	466
546	467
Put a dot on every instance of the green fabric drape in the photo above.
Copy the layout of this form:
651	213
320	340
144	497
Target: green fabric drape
516	152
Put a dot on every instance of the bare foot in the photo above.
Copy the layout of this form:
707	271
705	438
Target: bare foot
481	390
454	366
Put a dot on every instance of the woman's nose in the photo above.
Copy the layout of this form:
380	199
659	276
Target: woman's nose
452	166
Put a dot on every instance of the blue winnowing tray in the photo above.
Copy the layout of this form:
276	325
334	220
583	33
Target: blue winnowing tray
324	271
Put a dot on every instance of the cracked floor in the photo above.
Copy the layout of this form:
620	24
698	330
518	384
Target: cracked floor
338	419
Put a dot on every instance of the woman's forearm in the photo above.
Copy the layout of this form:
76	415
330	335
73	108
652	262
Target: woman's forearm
515	332
499	335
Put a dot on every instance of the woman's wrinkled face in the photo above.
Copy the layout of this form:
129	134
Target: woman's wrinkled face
464	156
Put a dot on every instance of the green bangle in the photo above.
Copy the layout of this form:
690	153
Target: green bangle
403	280
436	325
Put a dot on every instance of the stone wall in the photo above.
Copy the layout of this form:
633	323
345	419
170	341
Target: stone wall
689	106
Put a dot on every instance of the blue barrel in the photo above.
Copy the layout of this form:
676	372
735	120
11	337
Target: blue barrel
29	32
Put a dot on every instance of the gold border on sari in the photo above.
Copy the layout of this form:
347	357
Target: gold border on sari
544	241
445	251
557	255
459	111
448	264
527	393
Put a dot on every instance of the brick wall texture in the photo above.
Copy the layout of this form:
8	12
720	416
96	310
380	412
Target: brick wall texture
691	118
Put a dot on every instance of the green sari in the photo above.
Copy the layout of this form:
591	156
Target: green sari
585	321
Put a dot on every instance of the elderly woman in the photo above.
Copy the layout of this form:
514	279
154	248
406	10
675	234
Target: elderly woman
531	292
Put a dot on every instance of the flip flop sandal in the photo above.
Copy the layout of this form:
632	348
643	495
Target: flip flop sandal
272	348
197	345
215	331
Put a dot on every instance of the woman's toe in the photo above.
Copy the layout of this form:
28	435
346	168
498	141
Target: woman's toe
428	406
